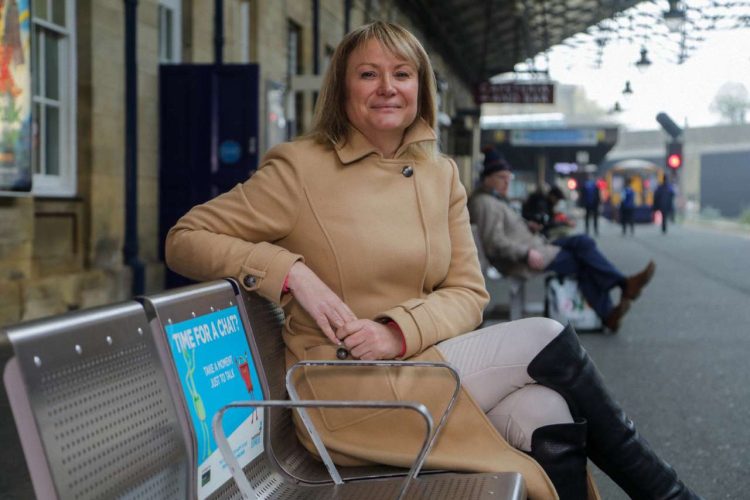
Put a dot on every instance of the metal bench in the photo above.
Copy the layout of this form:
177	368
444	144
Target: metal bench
100	410
286	469
92	407
518	306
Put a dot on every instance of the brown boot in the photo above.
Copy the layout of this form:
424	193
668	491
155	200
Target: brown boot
634	284
612	321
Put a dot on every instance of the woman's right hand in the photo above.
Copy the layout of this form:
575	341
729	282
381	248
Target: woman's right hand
325	307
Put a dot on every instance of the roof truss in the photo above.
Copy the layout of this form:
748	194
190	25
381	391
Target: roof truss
483	38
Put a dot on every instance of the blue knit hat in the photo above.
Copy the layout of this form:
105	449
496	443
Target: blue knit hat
493	162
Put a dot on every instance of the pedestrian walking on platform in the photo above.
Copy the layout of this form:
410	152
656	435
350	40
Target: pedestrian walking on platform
664	202
590	199
627	208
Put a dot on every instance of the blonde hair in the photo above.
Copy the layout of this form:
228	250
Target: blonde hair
330	122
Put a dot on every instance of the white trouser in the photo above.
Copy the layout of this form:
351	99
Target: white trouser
492	363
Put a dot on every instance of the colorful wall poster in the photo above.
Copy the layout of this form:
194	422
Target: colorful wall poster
215	366
15	96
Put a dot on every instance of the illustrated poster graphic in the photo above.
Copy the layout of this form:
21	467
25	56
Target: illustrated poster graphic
15	96
215	367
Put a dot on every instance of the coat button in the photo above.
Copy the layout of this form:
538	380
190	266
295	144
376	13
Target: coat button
342	353
249	281
407	171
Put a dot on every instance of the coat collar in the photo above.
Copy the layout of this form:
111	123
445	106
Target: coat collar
356	146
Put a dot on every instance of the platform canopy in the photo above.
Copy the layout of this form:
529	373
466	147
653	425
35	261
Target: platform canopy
484	38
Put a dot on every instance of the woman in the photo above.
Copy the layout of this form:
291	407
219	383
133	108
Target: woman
361	232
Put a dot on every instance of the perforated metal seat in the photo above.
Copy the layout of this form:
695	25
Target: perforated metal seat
92	407
100	410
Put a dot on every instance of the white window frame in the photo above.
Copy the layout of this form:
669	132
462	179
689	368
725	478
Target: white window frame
176	7
64	183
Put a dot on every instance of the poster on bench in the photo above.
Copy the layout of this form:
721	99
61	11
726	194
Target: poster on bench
215	367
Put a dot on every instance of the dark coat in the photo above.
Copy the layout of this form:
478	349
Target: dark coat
589	196
664	198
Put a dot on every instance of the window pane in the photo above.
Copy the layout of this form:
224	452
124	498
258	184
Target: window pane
166	36
168	26
52	159
327	58
58	12
39	9
299	106
51	66
36	159
35	69
294	57
52	141
162	43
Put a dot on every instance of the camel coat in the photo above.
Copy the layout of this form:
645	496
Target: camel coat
392	238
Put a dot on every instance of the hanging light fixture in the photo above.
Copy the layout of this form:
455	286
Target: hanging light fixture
600	43
675	17
616	108
644	62
628	90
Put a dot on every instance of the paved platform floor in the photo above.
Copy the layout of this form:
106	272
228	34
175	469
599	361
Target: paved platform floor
679	362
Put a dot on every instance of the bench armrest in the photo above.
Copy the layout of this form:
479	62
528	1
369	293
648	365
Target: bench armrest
246	490
419	462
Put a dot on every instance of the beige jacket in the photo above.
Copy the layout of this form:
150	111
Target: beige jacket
390	244
505	236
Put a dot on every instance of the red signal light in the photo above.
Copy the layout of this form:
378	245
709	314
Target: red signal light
674	161
674	155
572	184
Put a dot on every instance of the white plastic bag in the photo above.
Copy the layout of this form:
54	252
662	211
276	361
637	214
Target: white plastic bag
565	303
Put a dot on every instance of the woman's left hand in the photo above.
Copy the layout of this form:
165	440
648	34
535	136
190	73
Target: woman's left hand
368	340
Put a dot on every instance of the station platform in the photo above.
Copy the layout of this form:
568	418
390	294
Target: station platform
678	363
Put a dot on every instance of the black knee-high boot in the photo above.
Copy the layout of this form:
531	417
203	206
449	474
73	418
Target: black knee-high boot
613	442
561	451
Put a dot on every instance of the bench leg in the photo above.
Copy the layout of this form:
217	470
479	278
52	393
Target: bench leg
517	299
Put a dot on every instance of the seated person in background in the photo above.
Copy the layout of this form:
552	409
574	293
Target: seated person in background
360	231
513	249
541	216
